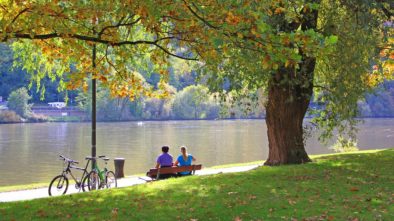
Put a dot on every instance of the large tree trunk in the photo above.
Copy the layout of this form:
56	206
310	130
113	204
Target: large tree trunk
286	108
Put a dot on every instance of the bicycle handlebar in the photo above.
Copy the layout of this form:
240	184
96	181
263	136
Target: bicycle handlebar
103	157
68	159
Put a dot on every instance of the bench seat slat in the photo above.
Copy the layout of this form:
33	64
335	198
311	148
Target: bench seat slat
168	170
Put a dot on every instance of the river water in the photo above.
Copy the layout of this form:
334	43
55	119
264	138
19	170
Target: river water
29	152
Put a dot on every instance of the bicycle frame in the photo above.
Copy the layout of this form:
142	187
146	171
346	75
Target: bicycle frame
101	173
70	166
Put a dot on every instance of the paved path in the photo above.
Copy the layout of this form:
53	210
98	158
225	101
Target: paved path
124	182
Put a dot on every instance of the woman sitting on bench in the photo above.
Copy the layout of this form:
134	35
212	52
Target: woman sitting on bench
184	159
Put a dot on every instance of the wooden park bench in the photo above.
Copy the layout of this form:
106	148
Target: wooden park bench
154	173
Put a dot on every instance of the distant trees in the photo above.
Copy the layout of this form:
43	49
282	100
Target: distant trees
156	109
10	78
108	109
18	102
13	77
194	102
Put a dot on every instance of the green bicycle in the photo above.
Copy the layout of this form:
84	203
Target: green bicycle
100	179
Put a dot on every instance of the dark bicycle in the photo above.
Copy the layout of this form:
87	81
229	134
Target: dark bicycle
59	184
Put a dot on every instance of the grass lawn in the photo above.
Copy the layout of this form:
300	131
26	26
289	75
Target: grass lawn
358	186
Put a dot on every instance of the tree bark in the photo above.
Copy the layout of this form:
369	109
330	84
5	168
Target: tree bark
285	115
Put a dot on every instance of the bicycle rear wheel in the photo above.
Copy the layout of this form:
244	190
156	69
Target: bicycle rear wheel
58	186
110	180
91	181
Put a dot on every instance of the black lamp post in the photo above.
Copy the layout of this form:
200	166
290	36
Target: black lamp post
94	106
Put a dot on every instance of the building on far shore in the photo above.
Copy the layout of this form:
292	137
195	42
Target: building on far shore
57	109
58	105
3	104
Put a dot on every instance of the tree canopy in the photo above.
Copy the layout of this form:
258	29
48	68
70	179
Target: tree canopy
332	51
129	35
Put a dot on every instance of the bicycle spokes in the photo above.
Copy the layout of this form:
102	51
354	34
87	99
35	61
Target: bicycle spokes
93	181
110	180
58	186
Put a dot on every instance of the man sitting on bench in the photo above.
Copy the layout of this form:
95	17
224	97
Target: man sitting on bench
164	160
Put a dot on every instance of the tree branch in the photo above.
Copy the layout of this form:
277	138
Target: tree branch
199	17
20	13
119	25
386	11
97	40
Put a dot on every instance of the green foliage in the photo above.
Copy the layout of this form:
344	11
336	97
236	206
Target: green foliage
30	58
342	68
10	78
344	145
243	104
108	109
128	37
355	186
157	109
283	46
194	102
13	77
18	102
241	44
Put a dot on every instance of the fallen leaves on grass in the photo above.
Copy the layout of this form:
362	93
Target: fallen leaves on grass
41	213
237	218
114	212
354	189
292	202
252	197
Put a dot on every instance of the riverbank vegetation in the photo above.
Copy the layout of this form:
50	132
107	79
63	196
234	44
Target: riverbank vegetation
20	109
190	102
352	186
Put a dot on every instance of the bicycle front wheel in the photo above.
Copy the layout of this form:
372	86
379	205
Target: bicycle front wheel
110	180
58	186
91	181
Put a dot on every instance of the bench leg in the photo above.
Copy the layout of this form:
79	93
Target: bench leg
158	174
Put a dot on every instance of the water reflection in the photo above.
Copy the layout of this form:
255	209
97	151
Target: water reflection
29	152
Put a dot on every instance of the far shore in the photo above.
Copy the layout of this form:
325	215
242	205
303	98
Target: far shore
165	120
